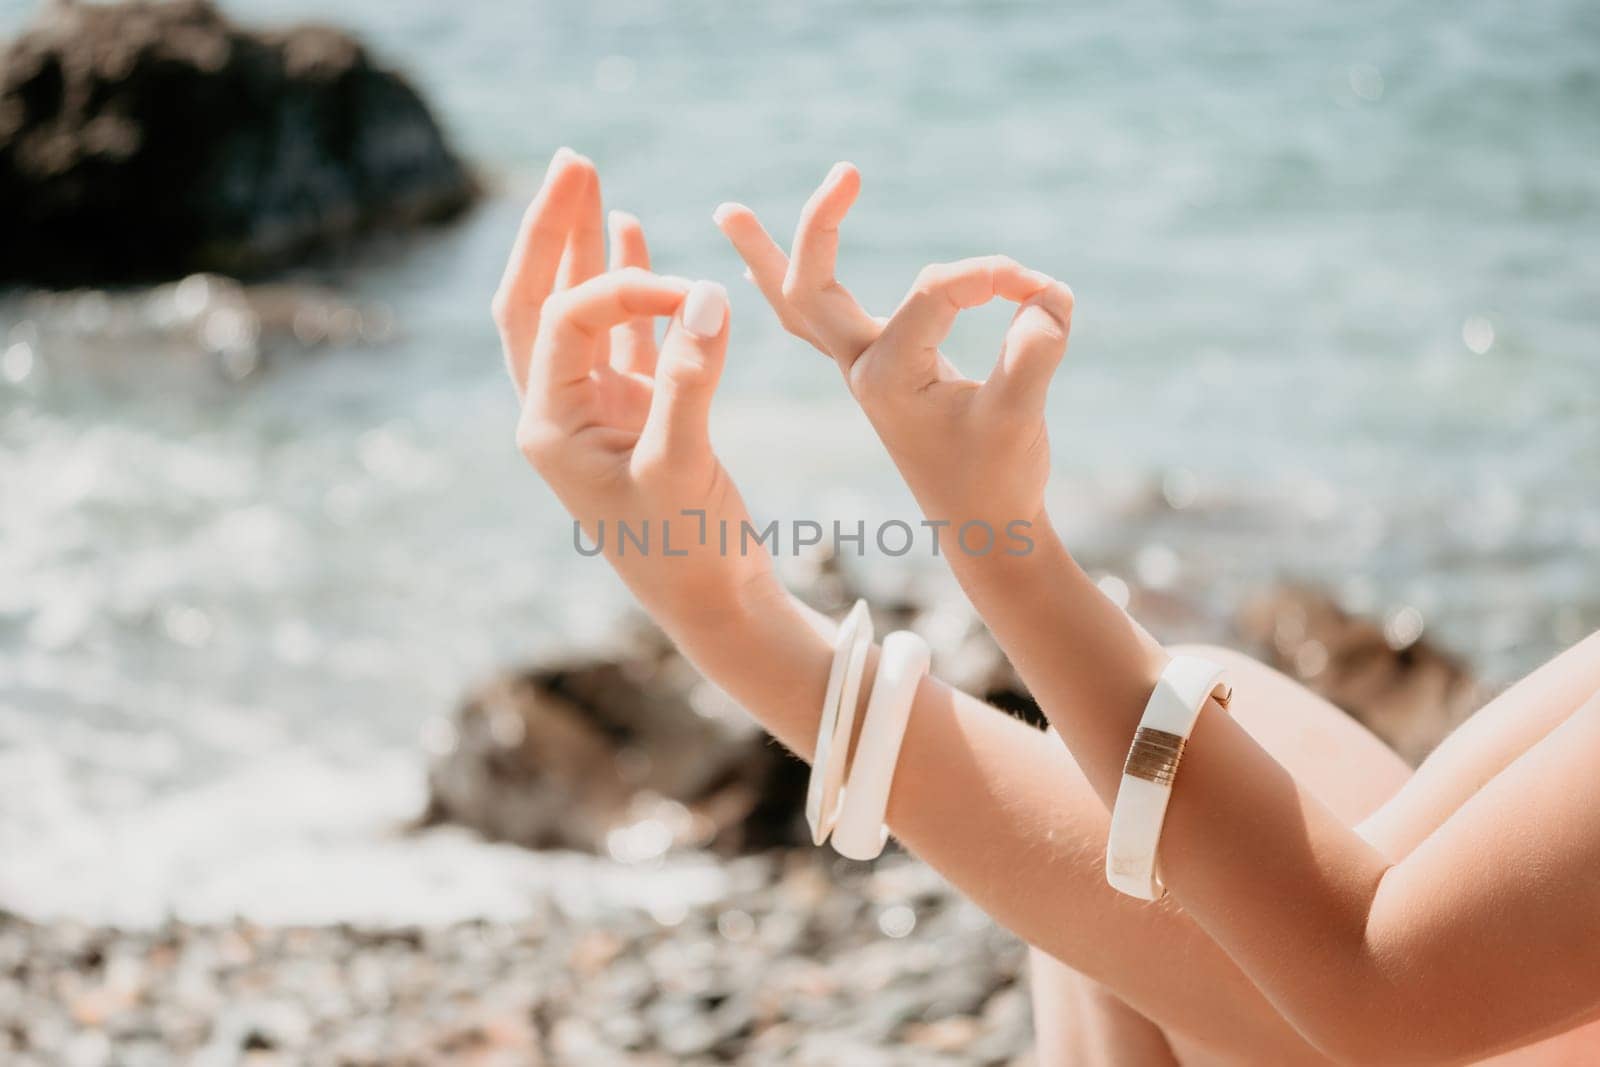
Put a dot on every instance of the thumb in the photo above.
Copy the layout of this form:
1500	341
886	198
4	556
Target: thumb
1034	345
686	376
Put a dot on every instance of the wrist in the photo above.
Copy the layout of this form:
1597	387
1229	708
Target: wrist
1029	552
735	617
769	652
1071	643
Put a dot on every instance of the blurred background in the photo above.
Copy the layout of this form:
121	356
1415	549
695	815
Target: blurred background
1337	271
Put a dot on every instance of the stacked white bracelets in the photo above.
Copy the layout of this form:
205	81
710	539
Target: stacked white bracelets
860	833
838	721
1141	809
855	818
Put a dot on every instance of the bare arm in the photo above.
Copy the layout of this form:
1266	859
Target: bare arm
1482	938
1003	813
619	430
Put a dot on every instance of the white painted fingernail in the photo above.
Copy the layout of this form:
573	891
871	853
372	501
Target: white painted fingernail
723	211
705	309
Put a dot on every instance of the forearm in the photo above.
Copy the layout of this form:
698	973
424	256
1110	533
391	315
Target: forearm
1089	665
1004	813
1258	862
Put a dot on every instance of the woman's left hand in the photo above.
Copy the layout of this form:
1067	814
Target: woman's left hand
618	428
971	451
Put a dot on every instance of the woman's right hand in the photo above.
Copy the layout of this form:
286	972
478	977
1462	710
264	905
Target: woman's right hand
618	429
973	452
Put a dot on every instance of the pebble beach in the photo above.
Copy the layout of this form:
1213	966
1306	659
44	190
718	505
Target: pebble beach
798	964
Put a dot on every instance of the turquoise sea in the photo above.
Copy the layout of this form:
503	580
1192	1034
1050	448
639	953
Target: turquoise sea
1338	279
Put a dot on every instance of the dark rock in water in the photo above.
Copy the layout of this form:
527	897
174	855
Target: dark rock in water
1398	684
149	140
629	755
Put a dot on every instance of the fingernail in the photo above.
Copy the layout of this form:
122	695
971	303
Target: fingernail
618	219
720	215
838	169
705	309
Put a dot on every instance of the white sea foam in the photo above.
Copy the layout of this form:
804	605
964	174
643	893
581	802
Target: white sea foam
296	841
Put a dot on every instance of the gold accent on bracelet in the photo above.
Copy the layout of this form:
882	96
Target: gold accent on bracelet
1154	755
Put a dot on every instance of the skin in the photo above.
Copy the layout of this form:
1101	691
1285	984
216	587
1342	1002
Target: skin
1291	933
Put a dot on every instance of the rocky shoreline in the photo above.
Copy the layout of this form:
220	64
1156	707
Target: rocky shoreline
804	961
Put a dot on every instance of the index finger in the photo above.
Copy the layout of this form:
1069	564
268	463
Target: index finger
942	291
577	319
811	284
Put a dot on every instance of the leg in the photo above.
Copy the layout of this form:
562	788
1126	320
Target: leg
1079	1021
1484	745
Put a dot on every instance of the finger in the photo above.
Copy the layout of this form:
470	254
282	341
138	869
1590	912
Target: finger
943	290
678	426
628	248
531	269
577	320
811	285
767	263
633	344
586	247
1034	345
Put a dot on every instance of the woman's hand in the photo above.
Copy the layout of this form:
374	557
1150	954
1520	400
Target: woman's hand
617	427
973	452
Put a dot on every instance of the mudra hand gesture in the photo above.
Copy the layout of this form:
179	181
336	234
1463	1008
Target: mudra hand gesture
971	451
617	426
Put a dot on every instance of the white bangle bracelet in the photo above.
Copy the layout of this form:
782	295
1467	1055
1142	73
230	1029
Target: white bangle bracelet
838	721
860	833
1141	808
